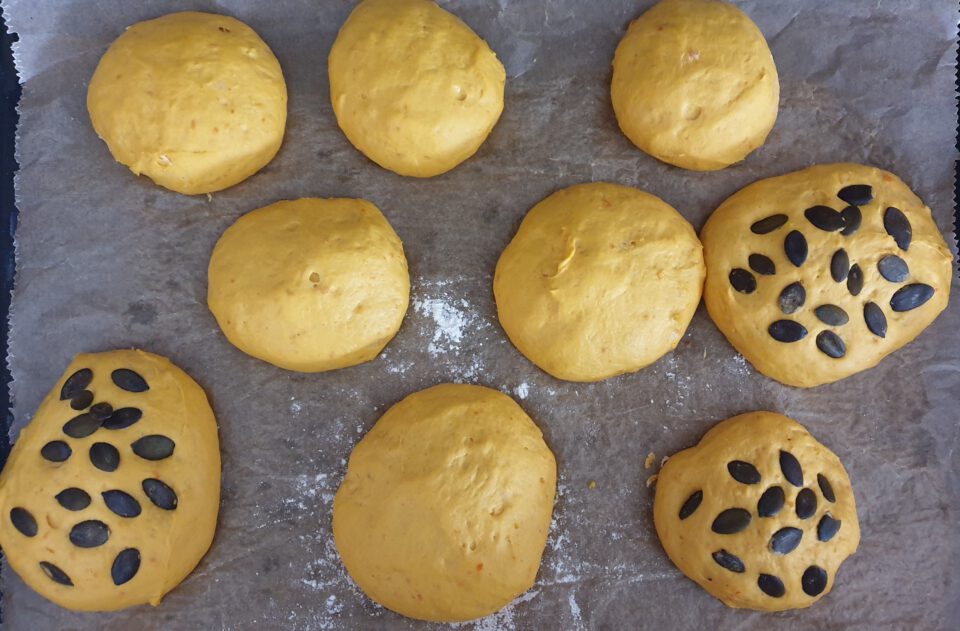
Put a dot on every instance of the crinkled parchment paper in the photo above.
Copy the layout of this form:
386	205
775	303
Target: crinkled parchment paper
107	260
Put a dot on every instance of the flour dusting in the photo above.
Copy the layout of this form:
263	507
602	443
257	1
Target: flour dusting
451	318
522	390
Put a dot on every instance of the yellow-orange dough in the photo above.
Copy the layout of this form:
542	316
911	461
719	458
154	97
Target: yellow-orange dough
194	101
310	284
444	512
694	84
68	478
600	279
746	318
412	87
796	507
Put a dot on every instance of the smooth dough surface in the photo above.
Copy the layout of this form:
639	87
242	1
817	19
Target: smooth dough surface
444	512
310	284
413	87
70	479
694	84
757	442
600	279
745	318
194	101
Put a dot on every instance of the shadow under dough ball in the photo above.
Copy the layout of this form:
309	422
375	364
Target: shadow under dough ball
195	101
694	84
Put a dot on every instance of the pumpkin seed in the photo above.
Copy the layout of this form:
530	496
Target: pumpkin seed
729	561
128	380
153	447
832	315
806	504
826	488
787	331
104	456
855	280
771	585
125	566
691	505
55	574
771	502
839	265
898	226
795	247
743	472
160	494
786	540
122	418
121	503
791	468
814	580
792	297
23	521
768	224
56	451
852	218
73	499
831	344
893	268
910	297
89	534
875	319
76	383
762	264
856	194
743	281
731	521
827	527
824	218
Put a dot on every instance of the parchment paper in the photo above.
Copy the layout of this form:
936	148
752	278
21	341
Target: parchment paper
107	260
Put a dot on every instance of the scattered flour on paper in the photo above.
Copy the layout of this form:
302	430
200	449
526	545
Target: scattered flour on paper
522	390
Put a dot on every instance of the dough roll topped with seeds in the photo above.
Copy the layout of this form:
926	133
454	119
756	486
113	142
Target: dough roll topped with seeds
821	273
759	513
444	512
111	493
195	101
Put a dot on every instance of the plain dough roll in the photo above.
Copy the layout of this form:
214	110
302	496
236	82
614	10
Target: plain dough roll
194	101
600	279
444	512
413	87
310	284
694	84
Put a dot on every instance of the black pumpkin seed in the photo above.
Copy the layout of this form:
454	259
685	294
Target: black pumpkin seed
691	505
839	265
101	411
806	504
814	580
73	499
743	472
832	315
104	456
771	585
125	566
729	561
153	447
743	281
852	218
731	521
55	574
76	383
89	534
787	331
791	468
768	224
855	280
122	418
856	194
771	502
81	426
786	540
160	494
795	247
81	400
910	297
827	528
826	488
875	319
792	297
831	344
121	503
898	226
893	268
762	264
56	451
128	380
824	218
23	521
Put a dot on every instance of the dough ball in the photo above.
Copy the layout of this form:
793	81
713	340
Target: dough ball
444	512
412	87
821	273
310	284
110	496
694	84
758	513
194	101
600	279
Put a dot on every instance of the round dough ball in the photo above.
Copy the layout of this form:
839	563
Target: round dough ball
600	279
310	284
758	513
110	496
694	84
412	87
821	273
194	101
444	512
